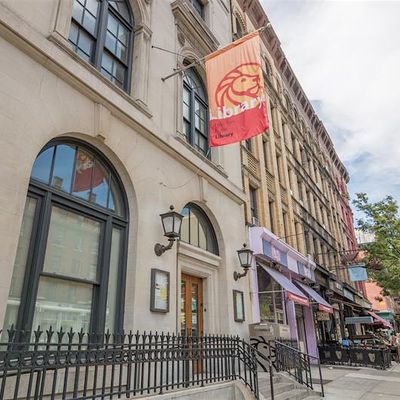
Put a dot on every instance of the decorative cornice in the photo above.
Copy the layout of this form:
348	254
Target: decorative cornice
258	17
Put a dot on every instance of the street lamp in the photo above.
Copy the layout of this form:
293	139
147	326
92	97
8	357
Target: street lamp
171	222
245	257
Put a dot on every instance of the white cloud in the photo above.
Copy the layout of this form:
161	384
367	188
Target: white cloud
346	55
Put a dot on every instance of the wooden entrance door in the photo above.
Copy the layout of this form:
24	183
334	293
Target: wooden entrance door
191	305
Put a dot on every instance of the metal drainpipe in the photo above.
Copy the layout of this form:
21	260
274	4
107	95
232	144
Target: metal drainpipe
231	14
177	297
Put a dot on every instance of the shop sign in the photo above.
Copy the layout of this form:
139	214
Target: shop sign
323	316
358	320
305	270
276	254
348	294
358	273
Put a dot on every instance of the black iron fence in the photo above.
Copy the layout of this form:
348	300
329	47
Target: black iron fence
285	358
364	357
80	366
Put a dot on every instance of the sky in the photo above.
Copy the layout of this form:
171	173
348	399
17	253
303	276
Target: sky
346	56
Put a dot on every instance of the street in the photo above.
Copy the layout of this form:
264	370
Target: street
356	383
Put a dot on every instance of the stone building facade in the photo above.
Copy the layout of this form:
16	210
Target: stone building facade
82	98
296	190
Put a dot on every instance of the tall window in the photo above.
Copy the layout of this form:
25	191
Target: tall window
270	297
199	7
70	264
266	153
271	207
239	29
197	229
247	144
101	33
195	112
253	203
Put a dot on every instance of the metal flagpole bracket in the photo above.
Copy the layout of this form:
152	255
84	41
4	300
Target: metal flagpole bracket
179	70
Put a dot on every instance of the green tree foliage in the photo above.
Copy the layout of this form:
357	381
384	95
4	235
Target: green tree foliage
382	220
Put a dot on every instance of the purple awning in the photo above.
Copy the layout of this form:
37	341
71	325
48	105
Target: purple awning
323	305
294	293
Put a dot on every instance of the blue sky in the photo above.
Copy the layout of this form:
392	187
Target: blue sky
346	55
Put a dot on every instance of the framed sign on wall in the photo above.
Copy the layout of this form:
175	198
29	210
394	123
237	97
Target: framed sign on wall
159	293
238	305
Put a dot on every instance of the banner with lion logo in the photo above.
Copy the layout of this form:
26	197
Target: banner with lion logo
236	92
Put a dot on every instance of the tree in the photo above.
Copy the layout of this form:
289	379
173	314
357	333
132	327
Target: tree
382	220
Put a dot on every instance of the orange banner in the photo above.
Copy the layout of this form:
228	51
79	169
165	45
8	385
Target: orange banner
236	92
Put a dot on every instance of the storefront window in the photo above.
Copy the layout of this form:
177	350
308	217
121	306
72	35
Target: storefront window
270	297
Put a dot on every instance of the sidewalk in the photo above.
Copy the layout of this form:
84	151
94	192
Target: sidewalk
357	383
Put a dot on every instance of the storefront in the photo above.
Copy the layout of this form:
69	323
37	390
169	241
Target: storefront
283	301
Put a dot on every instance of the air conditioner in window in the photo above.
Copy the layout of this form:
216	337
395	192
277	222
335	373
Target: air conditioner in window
255	221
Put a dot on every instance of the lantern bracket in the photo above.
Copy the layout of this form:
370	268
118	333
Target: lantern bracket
160	249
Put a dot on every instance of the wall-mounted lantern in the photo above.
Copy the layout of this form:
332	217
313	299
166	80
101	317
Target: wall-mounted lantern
245	257
171	222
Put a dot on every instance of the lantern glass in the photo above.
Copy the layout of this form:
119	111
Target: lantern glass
245	257
171	222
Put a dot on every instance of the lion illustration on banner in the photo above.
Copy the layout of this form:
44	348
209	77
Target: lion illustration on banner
240	85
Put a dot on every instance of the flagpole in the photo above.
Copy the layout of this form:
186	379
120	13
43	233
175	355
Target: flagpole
182	69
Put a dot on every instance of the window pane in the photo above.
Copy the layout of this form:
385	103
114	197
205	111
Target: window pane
100	187
186	129
266	307
123	35
83	174
194	229
14	297
85	43
92	6
202	238
89	23
121	52
113	280
183	307
63	167
115	202
195	308
77	12
122	8
63	304
185	225
42	166
72	245
110	42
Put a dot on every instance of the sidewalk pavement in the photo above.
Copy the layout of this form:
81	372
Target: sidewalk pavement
357	383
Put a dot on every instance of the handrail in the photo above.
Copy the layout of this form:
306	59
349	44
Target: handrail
278	359
306	357
271	371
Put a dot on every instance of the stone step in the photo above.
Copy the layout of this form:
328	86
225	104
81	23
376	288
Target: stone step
295	394
265	388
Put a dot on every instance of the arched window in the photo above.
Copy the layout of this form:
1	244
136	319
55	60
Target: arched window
197	229
101	33
198	6
195	112
69	270
239	28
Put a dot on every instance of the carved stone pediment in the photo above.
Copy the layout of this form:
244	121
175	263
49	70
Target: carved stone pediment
193	28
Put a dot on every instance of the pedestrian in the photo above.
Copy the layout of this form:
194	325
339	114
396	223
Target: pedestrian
394	346
345	342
